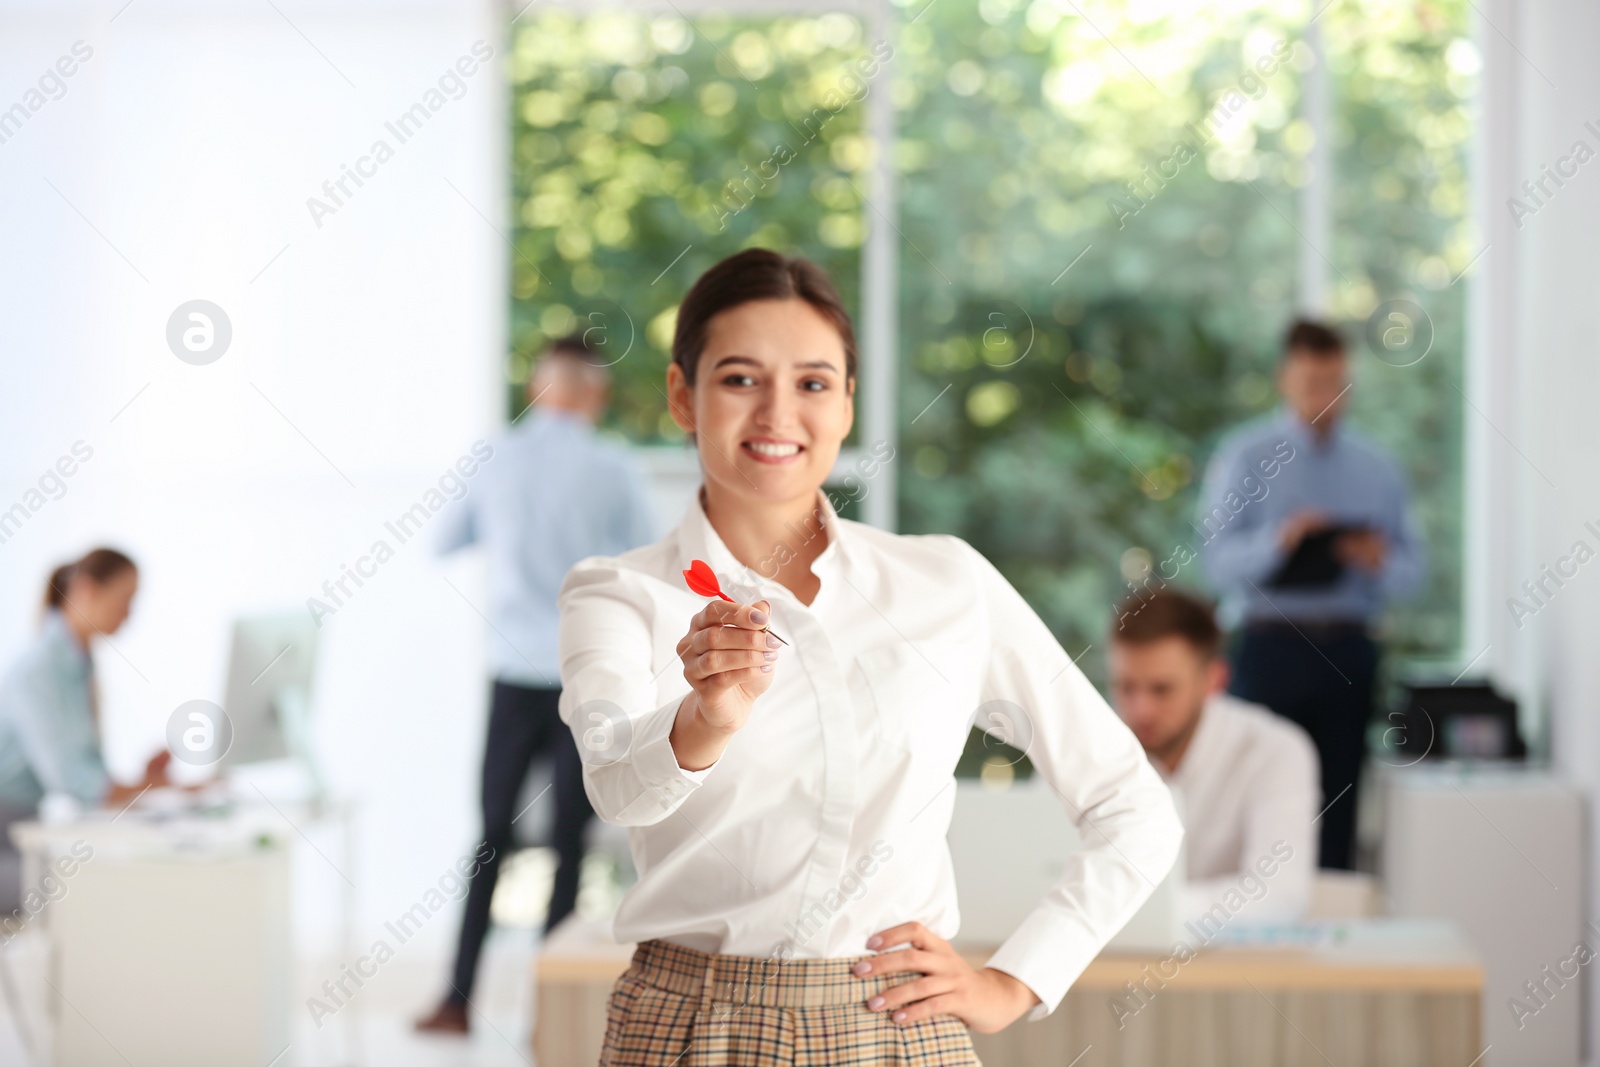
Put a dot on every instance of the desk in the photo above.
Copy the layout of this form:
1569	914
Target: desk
1375	993
168	940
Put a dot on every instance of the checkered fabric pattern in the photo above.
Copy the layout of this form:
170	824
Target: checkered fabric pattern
675	1006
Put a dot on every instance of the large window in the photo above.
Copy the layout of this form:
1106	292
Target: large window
647	147
1121	221
1404	79
1099	225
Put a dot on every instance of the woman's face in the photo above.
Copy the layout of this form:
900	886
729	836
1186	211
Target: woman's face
104	605
770	406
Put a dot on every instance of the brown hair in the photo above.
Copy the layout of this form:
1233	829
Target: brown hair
573	353
1145	619
1315	339
756	274
573	344
101	565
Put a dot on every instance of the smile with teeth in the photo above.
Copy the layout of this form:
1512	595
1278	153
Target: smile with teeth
773	449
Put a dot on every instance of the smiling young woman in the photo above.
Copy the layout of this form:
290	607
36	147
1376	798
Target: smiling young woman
788	806
778	355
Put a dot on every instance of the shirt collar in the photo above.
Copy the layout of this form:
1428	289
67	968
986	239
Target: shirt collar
55	630
1211	732
1304	435
549	414
1197	754
698	539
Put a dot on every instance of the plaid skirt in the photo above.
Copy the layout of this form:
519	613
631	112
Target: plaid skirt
675	1006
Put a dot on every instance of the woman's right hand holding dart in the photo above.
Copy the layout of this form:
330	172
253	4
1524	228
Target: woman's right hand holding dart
728	660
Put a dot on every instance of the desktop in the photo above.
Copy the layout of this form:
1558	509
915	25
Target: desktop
268	693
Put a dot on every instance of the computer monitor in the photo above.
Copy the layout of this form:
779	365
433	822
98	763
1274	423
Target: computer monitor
268	693
1009	846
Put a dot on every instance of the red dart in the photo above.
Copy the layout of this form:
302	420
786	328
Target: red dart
703	580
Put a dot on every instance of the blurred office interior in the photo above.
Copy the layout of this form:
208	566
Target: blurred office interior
1053	343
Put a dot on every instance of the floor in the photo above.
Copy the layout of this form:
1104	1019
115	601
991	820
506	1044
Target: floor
380	1034
373	1029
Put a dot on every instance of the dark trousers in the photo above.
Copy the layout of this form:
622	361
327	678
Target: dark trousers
1320	677
523	725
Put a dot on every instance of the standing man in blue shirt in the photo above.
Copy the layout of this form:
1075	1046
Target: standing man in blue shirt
554	494
1306	561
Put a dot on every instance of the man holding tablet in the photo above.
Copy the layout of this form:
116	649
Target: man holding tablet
1305	568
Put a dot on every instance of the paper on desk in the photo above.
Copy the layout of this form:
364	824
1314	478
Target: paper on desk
1284	935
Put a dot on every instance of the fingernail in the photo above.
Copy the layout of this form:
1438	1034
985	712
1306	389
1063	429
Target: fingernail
899	1016
758	616
773	642
875	1003
874	941
770	655
766	668
862	968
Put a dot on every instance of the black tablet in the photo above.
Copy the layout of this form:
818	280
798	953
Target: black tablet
1313	564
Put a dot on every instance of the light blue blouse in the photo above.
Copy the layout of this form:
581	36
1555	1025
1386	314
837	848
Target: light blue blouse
48	742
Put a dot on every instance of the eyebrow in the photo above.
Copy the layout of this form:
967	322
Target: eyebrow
819	364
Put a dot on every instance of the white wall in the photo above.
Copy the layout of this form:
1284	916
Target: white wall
1540	378
190	142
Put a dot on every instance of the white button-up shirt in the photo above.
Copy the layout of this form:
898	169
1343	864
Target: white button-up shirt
824	820
1250	783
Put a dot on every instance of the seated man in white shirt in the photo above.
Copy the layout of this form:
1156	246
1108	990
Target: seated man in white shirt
1248	781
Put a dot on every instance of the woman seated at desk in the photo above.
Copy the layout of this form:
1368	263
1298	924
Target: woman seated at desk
48	724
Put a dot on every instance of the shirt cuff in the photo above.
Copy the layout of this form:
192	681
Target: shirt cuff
654	760
96	788
1047	953
1268	551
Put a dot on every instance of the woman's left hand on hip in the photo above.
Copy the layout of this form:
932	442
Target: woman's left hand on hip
985	999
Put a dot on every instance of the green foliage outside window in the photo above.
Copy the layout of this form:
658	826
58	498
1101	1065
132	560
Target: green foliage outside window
644	149
1083	308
